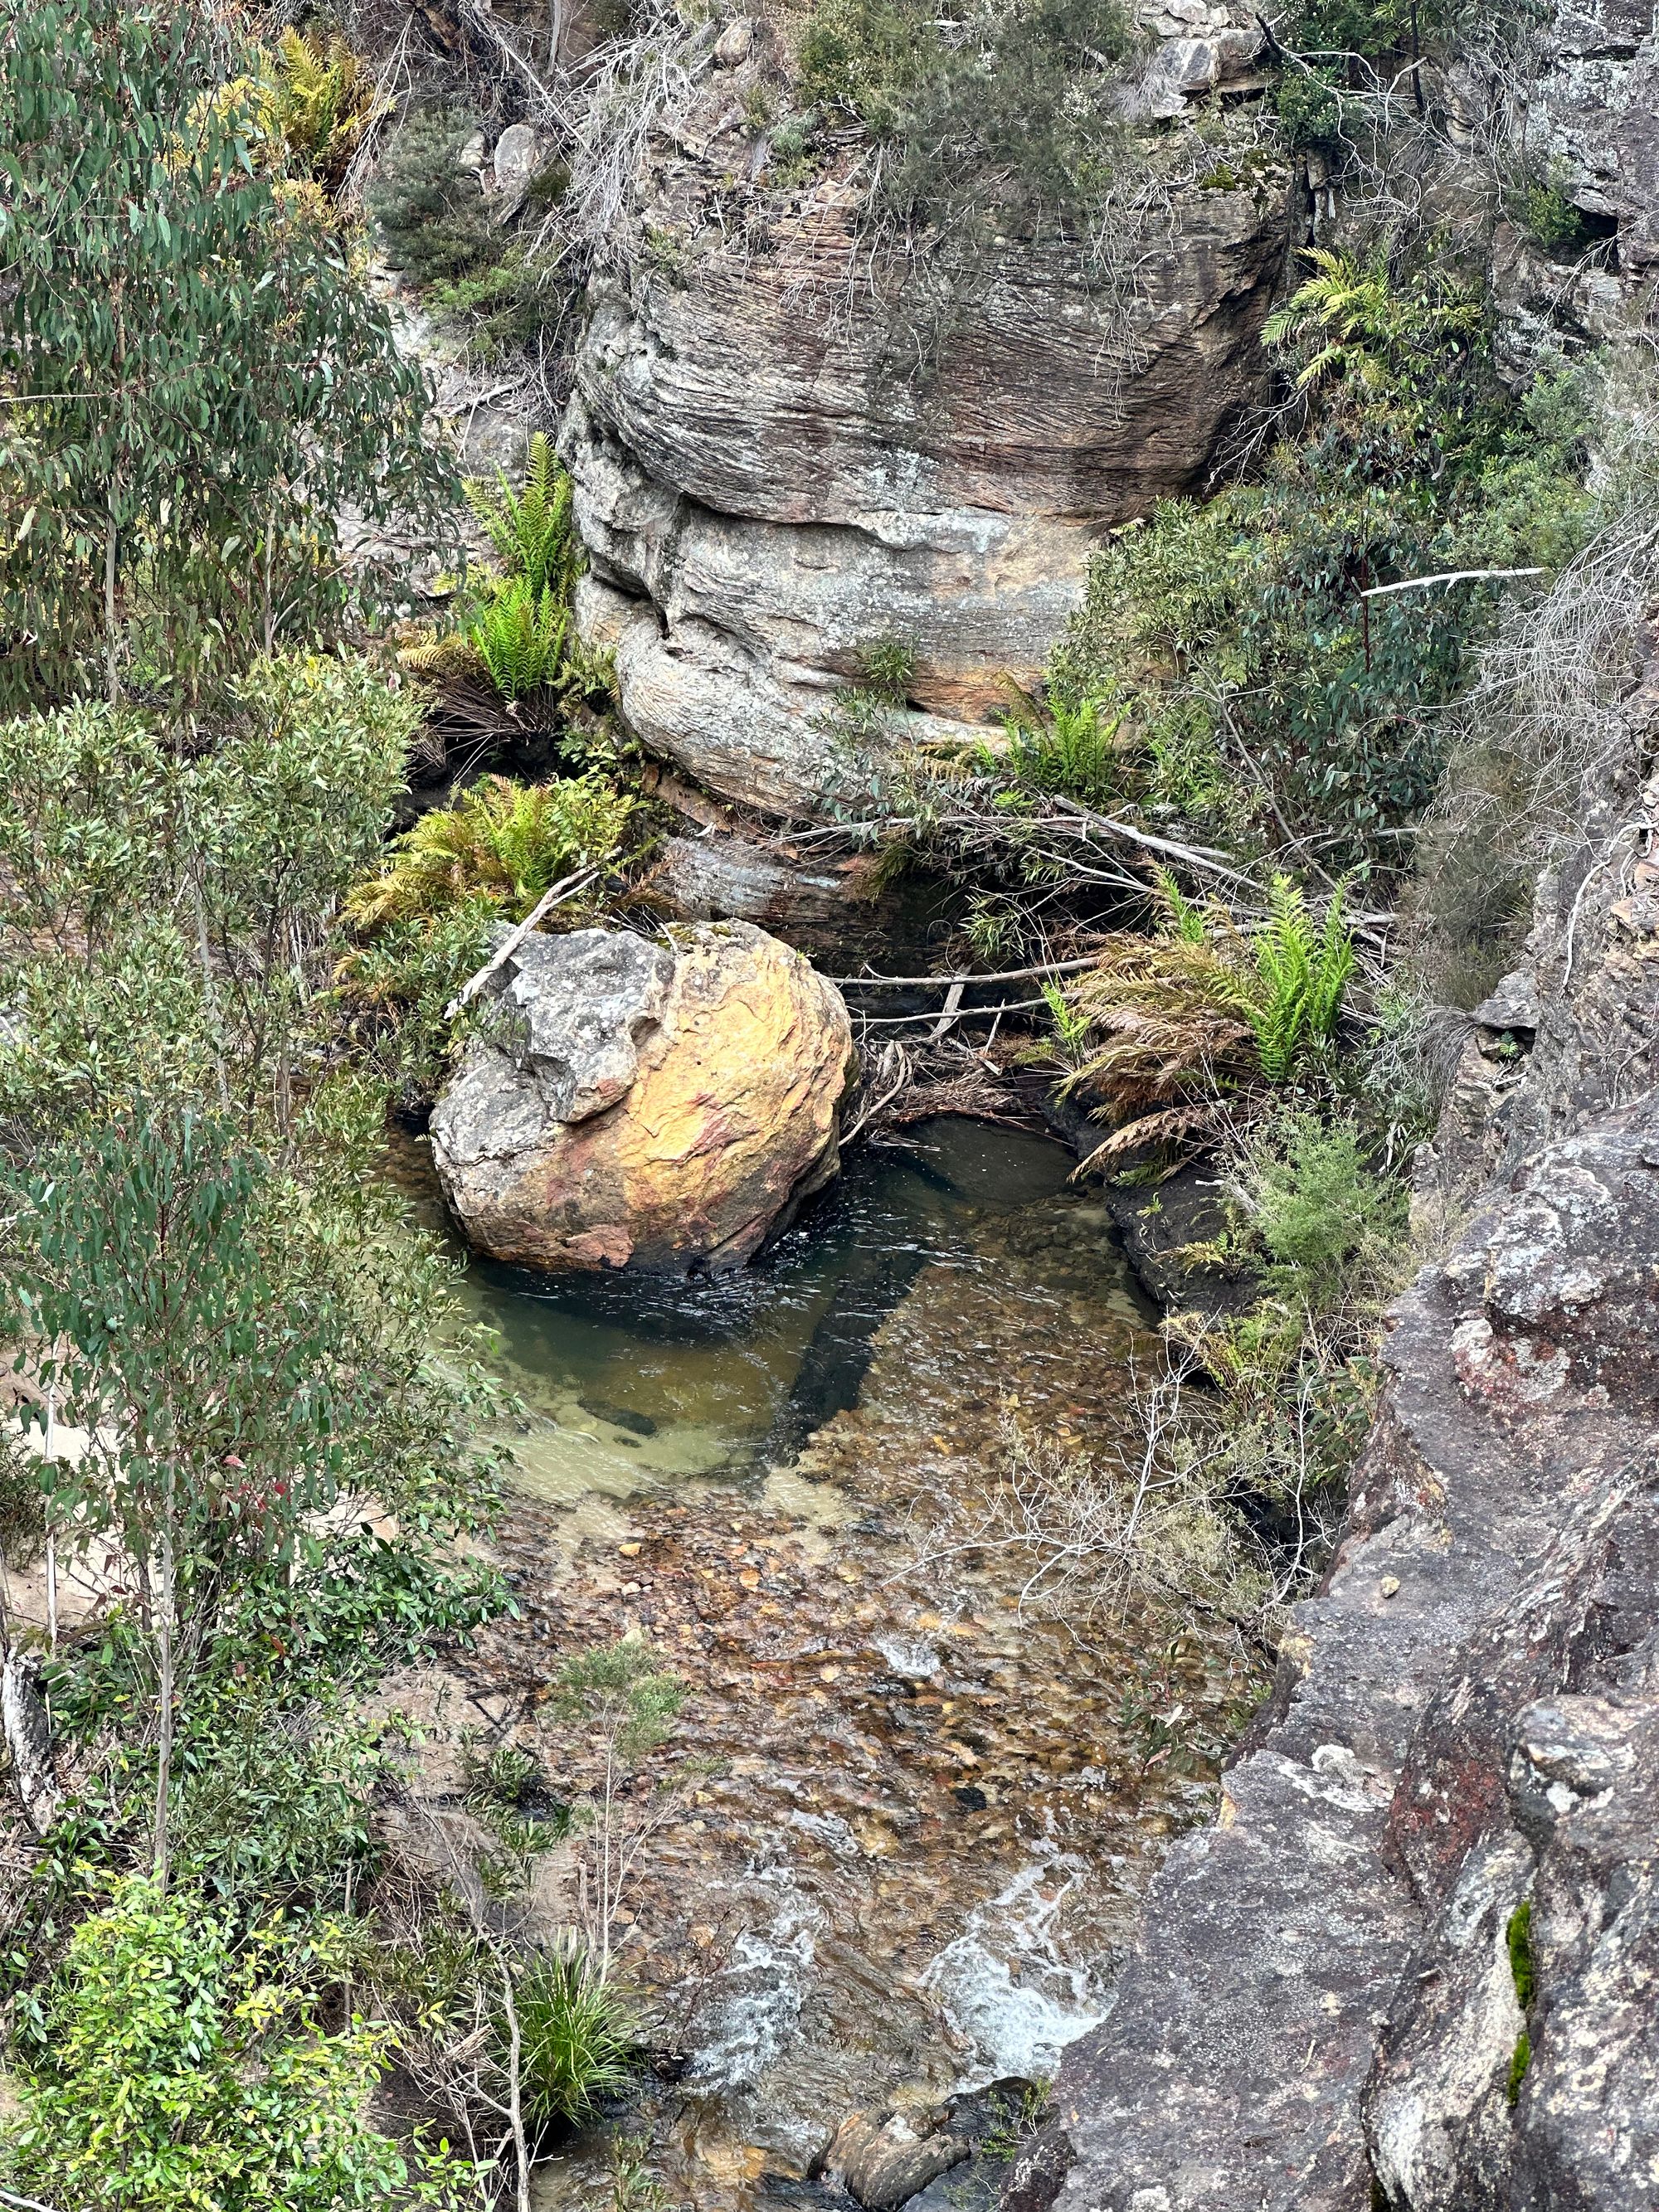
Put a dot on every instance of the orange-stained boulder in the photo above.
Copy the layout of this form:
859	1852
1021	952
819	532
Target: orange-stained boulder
663	1106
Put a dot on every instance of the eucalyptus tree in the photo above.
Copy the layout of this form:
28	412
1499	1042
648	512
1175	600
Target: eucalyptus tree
197	378
213	1399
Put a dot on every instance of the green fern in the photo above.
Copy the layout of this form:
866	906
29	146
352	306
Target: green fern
1069	751
1302	976
518	634
505	842
1178	915
322	101
1359	324
533	532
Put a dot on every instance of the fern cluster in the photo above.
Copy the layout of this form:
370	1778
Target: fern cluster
532	533
1165	1023
518	636
1069	750
321	101
504	844
1302	973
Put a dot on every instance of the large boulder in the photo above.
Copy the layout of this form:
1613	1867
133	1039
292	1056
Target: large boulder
635	1103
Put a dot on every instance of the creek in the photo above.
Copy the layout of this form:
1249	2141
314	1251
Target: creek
926	1811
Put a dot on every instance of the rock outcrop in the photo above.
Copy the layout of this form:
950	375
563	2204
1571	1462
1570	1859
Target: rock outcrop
632	1103
779	461
1416	1961
1322	2004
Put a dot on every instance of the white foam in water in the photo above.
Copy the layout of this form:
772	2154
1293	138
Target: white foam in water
1003	1984
829	1829
762	1988
912	1657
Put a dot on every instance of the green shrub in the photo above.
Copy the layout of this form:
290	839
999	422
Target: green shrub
1317	1206
1550	219
505	843
1007	108
396	984
576	2038
180	2064
428	212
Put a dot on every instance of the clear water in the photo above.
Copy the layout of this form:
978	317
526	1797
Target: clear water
625	1379
926	1813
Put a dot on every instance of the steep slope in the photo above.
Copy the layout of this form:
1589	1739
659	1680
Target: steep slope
786	450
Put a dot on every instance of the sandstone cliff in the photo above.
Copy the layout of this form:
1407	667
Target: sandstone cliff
786	450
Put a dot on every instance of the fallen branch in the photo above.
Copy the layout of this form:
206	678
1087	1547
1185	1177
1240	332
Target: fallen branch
1449	576
544	905
941	982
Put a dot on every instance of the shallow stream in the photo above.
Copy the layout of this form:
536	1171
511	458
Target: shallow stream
928	1811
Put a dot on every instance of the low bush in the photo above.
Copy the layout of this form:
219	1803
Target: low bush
502	846
428	212
178	2060
1004	112
437	230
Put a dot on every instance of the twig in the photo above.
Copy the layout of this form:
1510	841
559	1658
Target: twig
940	982
545	905
1449	576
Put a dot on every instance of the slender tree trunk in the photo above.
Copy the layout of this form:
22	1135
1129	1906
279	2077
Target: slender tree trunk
111	664
52	1532
271	625
164	1637
515	2086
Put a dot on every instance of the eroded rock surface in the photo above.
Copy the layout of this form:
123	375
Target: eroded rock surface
635	1103
779	462
1322	2004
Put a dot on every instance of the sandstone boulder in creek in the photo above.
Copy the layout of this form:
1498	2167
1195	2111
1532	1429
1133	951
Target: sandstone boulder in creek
632	1103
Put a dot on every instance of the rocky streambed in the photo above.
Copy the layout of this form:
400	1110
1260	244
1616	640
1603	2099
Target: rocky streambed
928	1813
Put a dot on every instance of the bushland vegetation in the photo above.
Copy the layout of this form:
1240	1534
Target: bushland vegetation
248	1437
1274	816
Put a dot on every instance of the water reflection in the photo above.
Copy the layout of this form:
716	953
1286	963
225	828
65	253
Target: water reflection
627	1379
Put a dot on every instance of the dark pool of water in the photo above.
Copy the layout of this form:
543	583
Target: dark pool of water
626	1377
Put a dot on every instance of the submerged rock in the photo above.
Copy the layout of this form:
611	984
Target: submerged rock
662	1106
882	2161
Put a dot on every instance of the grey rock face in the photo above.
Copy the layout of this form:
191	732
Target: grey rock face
578	1008
1321	2002
768	479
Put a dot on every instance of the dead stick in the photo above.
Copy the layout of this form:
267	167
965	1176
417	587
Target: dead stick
545	905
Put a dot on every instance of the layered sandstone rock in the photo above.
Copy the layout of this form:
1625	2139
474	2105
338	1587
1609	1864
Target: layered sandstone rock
781	457
647	1105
